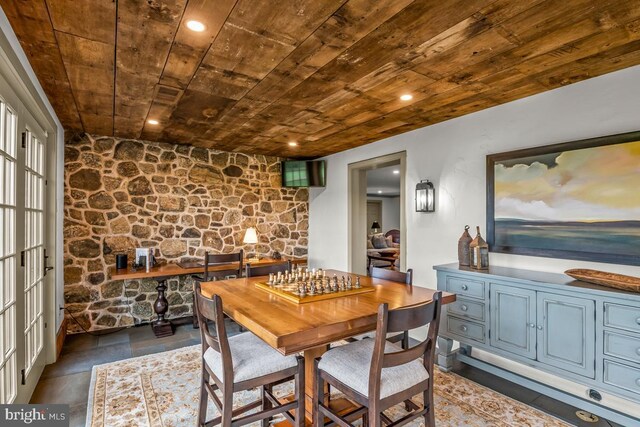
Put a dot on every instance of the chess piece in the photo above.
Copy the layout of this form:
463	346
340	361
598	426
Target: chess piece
358	286
312	288
349	284
302	291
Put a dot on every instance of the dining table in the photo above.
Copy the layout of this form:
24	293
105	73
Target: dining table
309	328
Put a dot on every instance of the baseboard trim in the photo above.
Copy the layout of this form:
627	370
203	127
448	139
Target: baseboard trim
570	399
60	337
184	320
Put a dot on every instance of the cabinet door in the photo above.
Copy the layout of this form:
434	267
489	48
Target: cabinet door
513	320
566	333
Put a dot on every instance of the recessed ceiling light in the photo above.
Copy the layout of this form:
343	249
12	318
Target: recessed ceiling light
379	191
195	26
396	172
153	122
292	143
406	97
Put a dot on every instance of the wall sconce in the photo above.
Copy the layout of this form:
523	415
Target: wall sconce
425	196
375	227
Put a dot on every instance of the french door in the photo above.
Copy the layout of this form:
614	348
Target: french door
8	255
22	251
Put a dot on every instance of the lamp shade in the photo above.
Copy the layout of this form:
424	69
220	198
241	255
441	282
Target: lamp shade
250	236
425	196
375	226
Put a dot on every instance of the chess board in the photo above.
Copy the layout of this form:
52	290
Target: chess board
289	292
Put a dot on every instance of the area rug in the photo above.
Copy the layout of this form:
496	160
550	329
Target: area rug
163	390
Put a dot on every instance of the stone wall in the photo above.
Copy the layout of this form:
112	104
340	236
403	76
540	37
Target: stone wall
178	199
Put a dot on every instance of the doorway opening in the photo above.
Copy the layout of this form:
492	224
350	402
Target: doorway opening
377	213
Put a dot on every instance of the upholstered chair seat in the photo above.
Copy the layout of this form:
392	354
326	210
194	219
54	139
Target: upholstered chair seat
351	363
251	357
376	374
243	362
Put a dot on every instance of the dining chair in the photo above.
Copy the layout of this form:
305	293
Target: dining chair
243	362
234	260
392	276
400	277
378	374
263	270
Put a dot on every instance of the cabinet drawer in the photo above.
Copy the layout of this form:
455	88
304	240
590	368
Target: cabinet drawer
622	317
467	308
622	376
622	346
465	287
463	328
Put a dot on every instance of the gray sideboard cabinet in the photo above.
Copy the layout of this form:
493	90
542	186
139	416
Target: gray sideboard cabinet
581	332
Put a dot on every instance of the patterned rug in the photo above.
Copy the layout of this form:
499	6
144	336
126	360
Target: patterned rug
163	390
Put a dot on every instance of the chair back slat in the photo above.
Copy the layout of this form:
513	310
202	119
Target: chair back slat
211	260
392	275
411	317
404	319
211	310
406	356
263	270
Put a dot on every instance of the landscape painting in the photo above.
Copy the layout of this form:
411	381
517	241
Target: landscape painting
579	200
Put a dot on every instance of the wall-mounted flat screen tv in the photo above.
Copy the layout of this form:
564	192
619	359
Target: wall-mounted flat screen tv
304	173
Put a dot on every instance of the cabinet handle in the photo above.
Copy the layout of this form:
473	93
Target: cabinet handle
464	307
464	328
532	325
466	288
539	328
638	320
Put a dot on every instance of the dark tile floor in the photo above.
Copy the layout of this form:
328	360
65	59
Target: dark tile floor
67	380
551	406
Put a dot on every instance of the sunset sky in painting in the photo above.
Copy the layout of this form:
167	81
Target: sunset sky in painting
593	184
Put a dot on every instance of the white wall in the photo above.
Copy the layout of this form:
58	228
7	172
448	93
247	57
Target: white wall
390	212
452	155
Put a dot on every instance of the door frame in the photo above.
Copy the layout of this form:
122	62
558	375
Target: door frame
357	209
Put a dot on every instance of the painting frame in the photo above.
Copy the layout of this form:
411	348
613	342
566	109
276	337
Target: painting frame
493	159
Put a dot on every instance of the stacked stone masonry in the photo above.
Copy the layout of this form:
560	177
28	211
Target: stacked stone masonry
181	201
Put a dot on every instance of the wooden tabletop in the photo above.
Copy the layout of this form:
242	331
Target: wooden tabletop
172	269
290	327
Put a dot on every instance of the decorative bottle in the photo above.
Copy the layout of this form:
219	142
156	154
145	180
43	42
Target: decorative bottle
463	248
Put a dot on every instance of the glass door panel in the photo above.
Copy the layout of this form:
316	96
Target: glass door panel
33	254
8	255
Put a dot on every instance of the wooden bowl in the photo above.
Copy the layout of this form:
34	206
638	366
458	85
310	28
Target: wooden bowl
603	278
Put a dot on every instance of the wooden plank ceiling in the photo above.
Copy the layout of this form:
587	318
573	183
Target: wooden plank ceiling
326	74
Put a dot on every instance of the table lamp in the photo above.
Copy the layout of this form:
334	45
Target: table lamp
251	238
